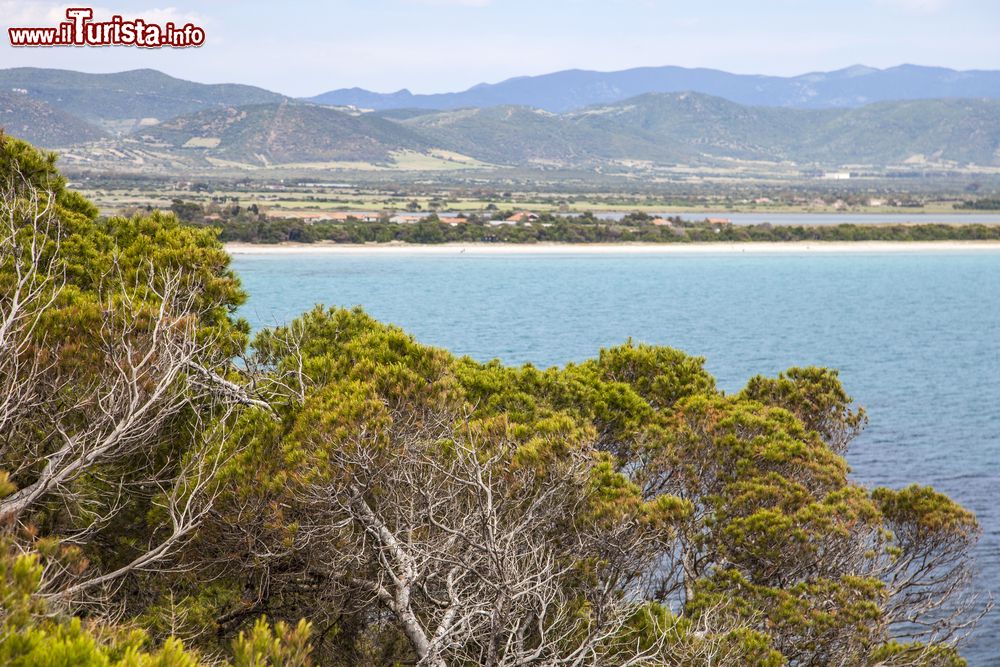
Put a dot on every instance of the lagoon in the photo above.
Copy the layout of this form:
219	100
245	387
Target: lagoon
916	335
807	219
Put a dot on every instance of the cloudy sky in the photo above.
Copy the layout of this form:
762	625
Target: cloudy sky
304	48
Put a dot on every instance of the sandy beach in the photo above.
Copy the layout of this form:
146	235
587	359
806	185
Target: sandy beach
604	248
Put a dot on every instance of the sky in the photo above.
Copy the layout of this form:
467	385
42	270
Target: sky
305	48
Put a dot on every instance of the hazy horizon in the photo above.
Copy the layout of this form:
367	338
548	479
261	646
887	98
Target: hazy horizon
195	79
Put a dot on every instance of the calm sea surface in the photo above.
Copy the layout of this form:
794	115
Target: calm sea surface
916	337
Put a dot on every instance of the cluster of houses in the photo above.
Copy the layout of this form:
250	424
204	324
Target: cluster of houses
454	219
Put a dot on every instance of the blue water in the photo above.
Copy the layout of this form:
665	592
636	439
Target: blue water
809	219
916	337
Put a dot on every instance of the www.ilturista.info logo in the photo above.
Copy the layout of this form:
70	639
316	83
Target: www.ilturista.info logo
82	30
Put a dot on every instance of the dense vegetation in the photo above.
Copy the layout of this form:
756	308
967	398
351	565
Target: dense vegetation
166	485
569	231
985	204
250	225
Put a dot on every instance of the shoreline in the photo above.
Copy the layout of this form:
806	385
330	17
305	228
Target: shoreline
766	248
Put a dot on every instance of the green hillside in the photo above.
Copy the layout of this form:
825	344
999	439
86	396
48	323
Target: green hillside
37	122
689	128
117	100
665	128
512	135
962	131
284	133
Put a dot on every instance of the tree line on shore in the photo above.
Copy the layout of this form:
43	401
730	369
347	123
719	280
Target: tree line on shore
176	492
251	225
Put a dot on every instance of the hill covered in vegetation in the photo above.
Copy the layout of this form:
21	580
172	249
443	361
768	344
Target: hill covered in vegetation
120	100
39	123
688	128
683	129
285	133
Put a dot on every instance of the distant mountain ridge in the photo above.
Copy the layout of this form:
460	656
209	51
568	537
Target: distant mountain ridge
570	90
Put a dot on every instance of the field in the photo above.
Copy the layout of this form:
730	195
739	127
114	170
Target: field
293	200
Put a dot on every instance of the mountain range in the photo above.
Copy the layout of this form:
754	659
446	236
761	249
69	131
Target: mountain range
575	89
658	128
144	117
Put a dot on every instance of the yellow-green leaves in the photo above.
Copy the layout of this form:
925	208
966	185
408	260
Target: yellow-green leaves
925	511
816	397
280	646
661	375
33	636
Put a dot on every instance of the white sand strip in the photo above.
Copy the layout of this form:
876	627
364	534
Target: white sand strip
796	247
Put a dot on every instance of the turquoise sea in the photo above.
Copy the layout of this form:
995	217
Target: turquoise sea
916	337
